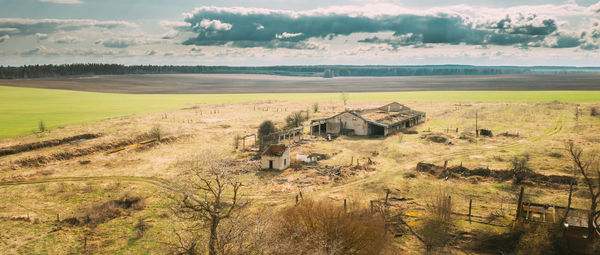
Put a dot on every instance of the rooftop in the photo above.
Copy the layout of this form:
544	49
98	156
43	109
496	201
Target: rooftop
387	115
275	150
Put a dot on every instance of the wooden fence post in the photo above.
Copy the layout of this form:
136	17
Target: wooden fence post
387	195
371	205
520	203
470	204
296	199
345	207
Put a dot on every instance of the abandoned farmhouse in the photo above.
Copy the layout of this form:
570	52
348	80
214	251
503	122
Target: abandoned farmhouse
381	121
276	156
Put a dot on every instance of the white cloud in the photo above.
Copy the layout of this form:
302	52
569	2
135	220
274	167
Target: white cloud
215	25
287	35
41	36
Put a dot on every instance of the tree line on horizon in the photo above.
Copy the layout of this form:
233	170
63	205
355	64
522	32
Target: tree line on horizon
48	71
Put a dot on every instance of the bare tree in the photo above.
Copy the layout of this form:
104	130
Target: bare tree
206	195
345	97
588	166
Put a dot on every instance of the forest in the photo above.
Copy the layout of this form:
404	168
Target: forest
327	71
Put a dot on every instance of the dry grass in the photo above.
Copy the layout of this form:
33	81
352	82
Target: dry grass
542	129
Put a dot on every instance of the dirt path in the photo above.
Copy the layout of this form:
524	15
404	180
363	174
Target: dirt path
150	180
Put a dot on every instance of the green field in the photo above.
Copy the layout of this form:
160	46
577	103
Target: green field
22	108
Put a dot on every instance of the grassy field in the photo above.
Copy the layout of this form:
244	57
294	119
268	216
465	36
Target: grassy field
33	195
21	109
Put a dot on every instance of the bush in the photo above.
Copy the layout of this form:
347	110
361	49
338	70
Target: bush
296	119
322	228
520	168
140	227
540	240
436	226
41	127
316	107
156	132
594	112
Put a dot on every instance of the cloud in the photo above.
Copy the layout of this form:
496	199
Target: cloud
41	36
285	35
25	27
66	40
528	26
117	43
40	50
62	1
4	38
211	25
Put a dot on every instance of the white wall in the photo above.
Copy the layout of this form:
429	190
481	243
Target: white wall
279	163
350	121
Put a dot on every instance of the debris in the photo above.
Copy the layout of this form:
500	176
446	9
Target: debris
485	132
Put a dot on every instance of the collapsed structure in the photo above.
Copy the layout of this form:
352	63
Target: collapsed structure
381	121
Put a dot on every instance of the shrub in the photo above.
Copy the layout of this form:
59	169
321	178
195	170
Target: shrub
323	228
594	112
41	127
436	226
156	132
540	239
520	168
316	107
296	119
141	226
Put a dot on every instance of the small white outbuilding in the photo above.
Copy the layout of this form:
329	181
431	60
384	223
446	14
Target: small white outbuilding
277	156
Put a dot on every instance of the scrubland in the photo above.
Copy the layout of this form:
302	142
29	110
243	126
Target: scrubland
79	197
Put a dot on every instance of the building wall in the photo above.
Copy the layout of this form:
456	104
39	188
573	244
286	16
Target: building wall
279	163
347	121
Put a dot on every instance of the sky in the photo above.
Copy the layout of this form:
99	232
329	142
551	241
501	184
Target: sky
307	32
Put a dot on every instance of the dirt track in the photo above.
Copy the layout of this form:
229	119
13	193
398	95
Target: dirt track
244	83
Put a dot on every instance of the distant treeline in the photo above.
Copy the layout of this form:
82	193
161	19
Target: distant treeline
46	71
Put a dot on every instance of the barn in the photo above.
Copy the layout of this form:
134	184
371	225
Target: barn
276	156
380	121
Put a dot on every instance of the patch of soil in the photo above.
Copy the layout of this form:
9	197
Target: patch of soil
98	213
435	137
44	144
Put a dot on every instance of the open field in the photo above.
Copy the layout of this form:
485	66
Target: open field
249	83
64	179
22	108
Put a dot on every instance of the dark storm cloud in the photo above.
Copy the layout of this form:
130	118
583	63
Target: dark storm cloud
24	27
243	27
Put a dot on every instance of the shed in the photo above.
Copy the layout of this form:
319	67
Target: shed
276	156
381	121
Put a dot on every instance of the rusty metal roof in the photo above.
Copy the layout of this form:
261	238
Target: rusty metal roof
384	116
276	150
